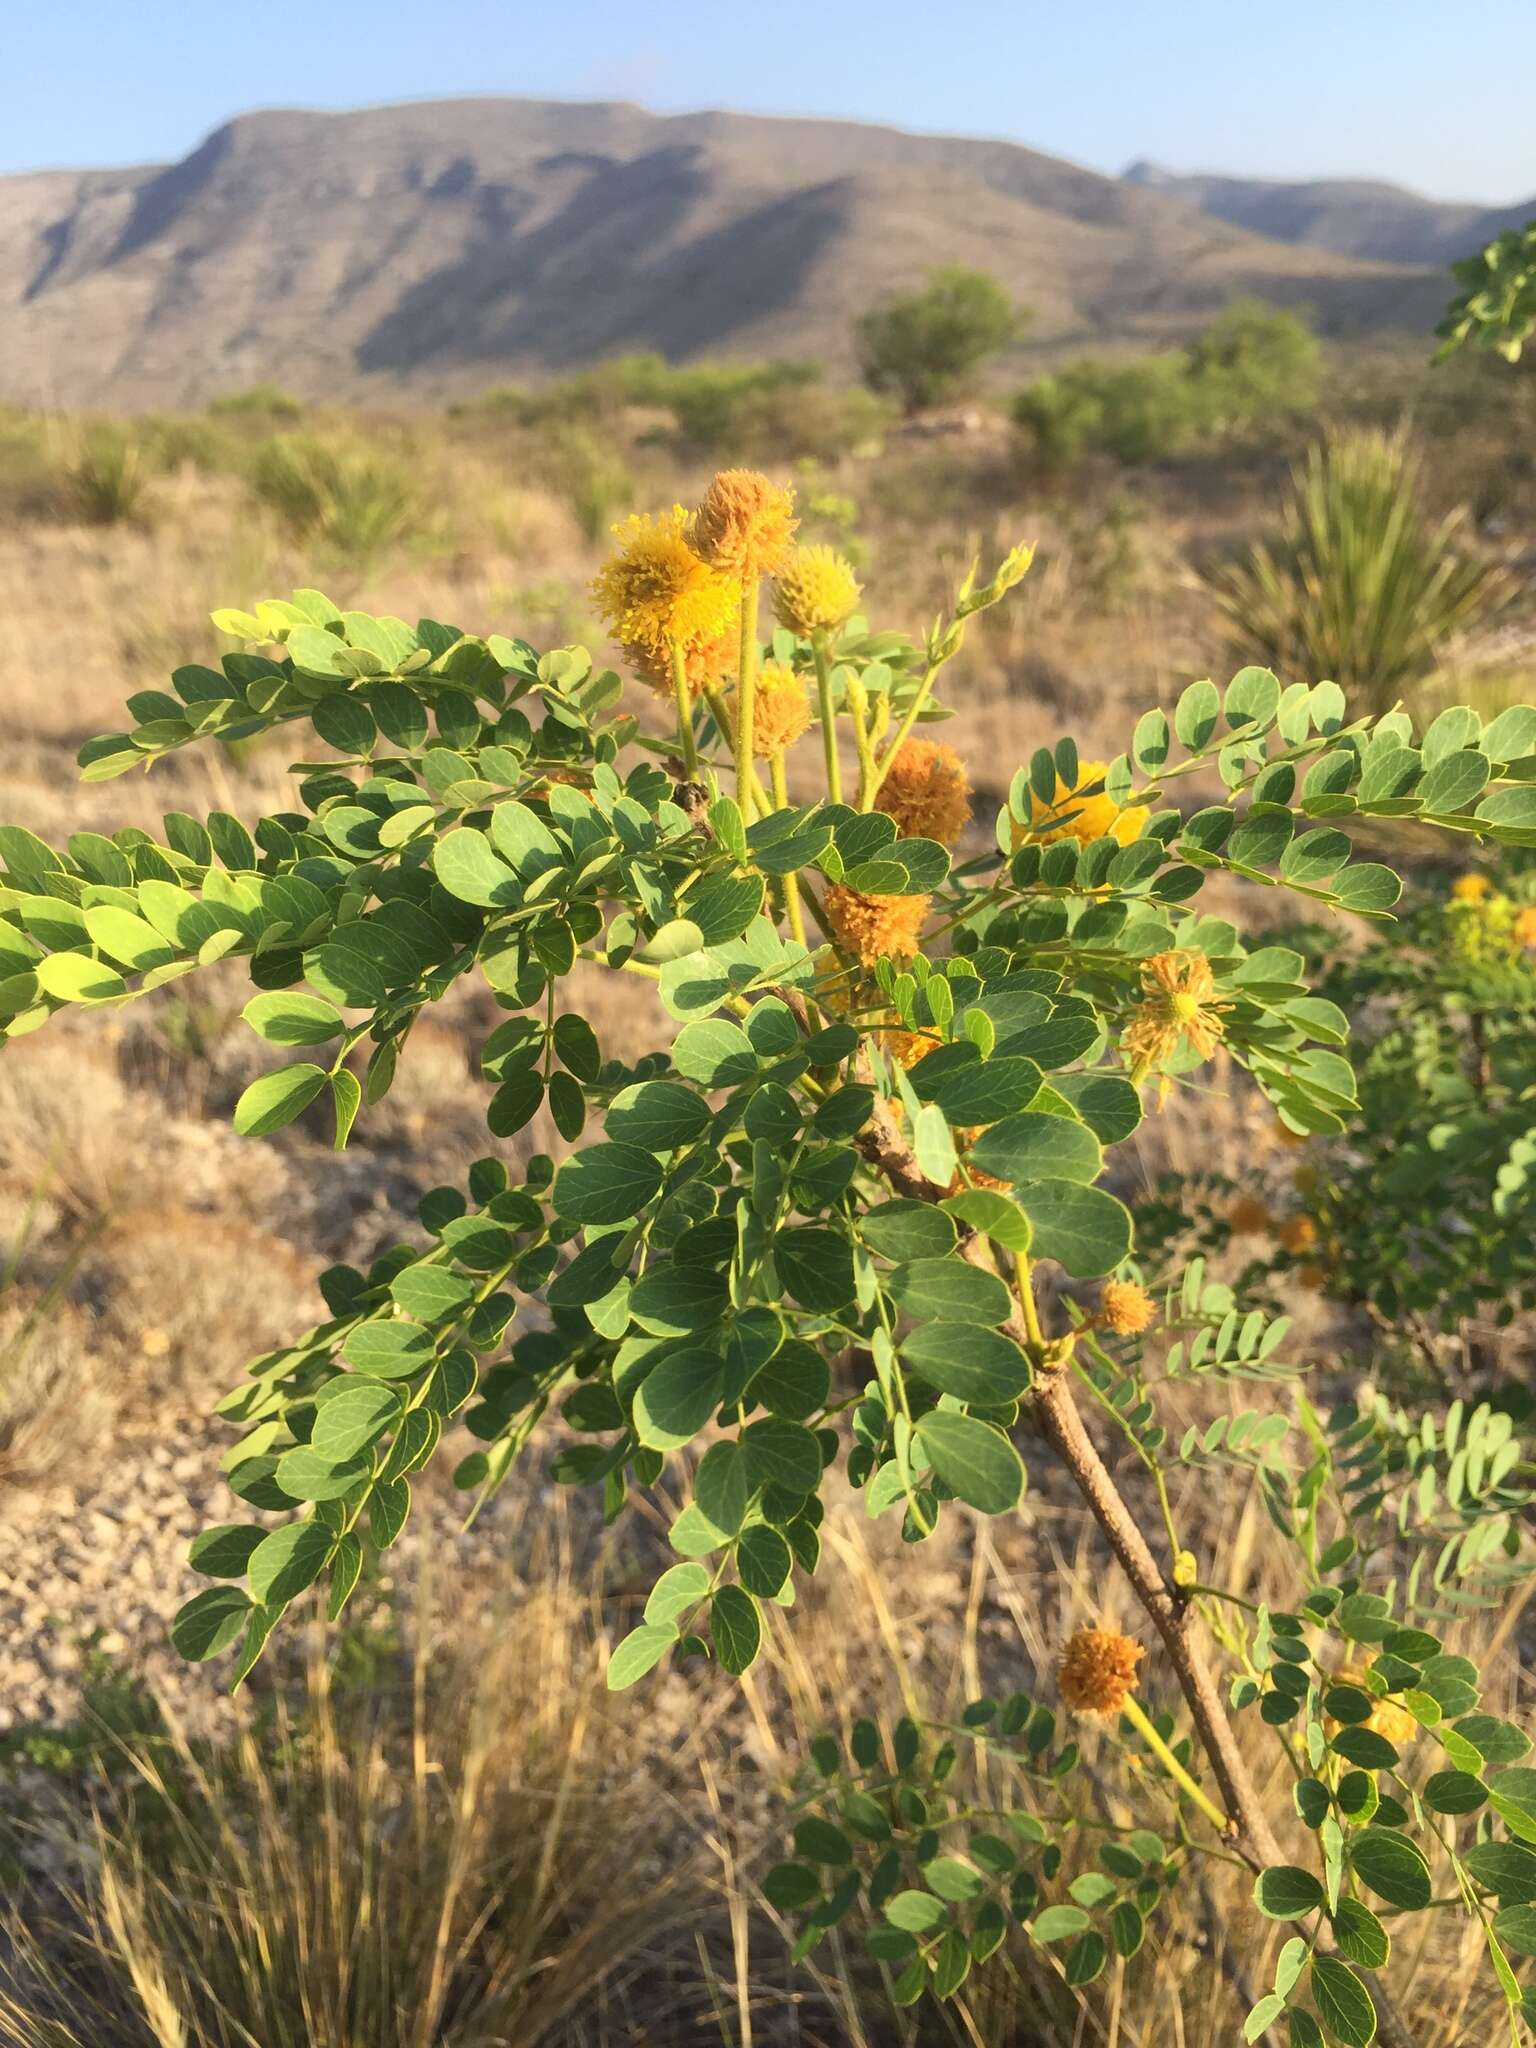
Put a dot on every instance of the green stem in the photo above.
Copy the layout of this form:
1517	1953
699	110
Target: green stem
909	718
727	725
746	696
684	699
1024	1283
791	881
821	648
1136	1714
858	706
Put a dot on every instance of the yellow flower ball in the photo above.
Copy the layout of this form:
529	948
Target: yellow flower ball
1125	1309
1470	888
744	525
817	591
926	790
1097	1672
872	927
781	709
657	593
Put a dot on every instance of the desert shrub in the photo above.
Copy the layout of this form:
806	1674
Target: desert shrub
1496	306
593	480
782	407
1135	411
1254	365
1251	368
350	500
857	1209
268	402
1359	584
925	346
106	472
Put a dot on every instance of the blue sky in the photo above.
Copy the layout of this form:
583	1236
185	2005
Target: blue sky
1435	96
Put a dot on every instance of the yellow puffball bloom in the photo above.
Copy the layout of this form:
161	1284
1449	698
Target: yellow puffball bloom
874	926
656	593
781	709
744	525
926	790
1470	888
1068	816
705	662
1097	1672
817	591
1125	1309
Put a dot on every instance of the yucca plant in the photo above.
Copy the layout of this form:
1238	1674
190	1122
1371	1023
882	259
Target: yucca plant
1358	585
351	501
106	473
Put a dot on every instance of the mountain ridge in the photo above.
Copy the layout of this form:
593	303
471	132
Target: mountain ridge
1366	217
434	246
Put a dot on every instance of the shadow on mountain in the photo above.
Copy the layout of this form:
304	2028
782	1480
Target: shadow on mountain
613	268
161	201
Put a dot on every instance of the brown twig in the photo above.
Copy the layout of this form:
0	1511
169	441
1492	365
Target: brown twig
1052	1408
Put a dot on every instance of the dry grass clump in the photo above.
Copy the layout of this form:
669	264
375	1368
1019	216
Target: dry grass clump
477	1861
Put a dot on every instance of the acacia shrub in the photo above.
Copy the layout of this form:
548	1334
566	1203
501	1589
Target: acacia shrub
899	1060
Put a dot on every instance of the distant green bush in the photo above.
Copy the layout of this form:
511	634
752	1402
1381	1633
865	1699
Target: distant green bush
270	401
1248	369
741	411
925	346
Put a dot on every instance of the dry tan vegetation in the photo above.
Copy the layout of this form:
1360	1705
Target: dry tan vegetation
478	1845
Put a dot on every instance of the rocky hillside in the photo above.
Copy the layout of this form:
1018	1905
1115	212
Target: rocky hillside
1350	216
444	245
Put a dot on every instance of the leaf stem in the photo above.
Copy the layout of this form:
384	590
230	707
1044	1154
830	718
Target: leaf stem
1139	1719
791	881
681	693
746	696
822	650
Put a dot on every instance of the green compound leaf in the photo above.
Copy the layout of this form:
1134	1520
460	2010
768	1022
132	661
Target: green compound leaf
1392	1867
641	1651
1286	1892
949	1290
606	1183
210	1622
976	1462
225	1551
735	1628
677	1397
1343	2003
290	1559
276	1099
972	1363
1083	1229
1360	1935
1036	1147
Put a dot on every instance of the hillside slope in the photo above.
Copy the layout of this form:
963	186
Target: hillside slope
443	245
1350	216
